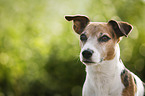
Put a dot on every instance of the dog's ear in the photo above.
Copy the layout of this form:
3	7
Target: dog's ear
80	22
120	28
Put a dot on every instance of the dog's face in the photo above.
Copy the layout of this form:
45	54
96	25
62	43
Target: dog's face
98	40
97	43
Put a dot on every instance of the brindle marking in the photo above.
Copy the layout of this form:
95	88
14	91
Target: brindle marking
129	83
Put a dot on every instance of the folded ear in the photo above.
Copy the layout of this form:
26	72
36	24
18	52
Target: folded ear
79	21
120	28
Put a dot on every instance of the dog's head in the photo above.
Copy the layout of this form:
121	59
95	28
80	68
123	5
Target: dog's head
98	40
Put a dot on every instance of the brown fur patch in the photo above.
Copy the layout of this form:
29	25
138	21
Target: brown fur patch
129	83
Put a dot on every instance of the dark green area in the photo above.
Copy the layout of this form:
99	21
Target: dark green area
39	52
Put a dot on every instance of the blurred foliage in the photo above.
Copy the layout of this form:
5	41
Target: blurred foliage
39	52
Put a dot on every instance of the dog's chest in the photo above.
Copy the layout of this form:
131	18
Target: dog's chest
100	84
104	86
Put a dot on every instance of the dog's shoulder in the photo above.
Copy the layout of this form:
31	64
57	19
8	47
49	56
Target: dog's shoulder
127	78
129	83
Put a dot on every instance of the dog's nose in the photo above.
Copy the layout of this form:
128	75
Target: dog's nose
87	53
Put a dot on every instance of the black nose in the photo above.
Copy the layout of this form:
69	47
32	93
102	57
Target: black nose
87	53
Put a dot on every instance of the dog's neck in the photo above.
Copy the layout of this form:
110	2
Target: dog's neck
107	67
104	76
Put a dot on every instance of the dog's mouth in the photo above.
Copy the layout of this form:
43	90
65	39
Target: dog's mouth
88	61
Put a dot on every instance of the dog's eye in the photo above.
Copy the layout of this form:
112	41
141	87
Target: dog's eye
83	37
104	38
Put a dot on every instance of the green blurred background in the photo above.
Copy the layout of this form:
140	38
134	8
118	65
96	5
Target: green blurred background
39	52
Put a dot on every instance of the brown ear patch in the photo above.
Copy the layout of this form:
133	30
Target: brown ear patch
120	28
79	21
129	83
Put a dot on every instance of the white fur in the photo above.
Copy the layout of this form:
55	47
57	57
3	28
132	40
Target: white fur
103	79
140	88
90	44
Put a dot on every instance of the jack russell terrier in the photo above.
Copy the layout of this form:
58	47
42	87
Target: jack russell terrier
106	74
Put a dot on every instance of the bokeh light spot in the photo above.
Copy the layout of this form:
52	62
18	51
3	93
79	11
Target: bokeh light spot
139	64
142	49
4	58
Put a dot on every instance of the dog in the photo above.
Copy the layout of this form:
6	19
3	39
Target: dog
106	73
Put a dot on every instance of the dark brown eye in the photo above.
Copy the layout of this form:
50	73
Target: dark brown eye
104	38
83	37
